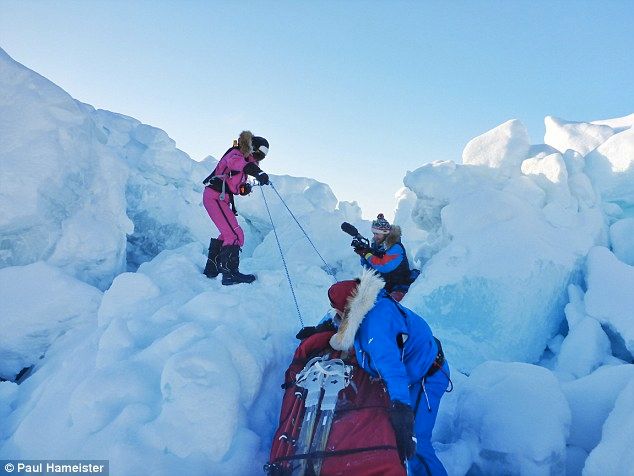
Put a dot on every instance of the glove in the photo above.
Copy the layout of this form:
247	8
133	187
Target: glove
244	189
362	251
263	178
402	419
306	332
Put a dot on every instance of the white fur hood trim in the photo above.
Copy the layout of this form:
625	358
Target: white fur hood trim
359	304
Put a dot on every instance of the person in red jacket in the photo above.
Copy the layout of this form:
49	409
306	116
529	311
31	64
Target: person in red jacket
228	179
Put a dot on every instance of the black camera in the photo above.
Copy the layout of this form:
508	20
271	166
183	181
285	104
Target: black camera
359	242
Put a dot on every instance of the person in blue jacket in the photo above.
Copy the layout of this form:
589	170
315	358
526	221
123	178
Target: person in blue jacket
395	344
386	255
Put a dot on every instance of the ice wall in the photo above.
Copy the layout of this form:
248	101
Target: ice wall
90	192
507	233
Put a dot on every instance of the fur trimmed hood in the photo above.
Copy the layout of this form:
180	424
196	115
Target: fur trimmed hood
393	237
360	302
244	143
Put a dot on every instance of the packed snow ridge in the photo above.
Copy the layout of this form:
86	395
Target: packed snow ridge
132	355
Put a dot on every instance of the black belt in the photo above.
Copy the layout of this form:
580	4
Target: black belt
215	184
438	362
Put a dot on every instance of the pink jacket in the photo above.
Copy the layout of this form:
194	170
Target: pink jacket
231	168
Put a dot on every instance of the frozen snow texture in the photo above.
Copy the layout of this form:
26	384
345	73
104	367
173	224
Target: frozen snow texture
62	196
38	303
618	124
586	346
581	137
502	439
163	190
591	400
502	148
621	234
494	238
614	454
551	175
609	298
81	189
610	168
412	236
176	365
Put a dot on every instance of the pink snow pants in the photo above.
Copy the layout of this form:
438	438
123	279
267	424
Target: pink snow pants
222	216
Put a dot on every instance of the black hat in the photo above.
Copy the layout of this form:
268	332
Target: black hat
260	147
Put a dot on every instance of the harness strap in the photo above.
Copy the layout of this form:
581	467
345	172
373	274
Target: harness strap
212	180
436	365
328	454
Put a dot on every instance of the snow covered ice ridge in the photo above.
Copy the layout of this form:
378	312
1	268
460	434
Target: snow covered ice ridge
527	258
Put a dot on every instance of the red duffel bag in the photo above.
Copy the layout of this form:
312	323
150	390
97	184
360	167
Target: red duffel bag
361	439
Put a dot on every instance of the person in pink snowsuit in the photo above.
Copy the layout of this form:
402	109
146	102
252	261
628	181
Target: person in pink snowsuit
228	179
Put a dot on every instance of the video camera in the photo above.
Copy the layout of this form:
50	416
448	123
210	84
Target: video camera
359	242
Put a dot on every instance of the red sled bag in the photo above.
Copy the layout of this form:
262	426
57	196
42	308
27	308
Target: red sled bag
360	440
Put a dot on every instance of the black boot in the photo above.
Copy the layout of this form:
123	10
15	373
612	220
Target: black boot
229	260
211	269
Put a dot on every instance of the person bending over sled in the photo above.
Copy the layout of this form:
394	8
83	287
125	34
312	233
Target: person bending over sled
228	179
393	343
387	256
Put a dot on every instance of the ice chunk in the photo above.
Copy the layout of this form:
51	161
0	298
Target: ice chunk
504	148
609	298
56	174
622	240
8	397
610	168
575	460
321	196
591	399
618	124
38	303
582	137
500	415
581	188
550	174
412	236
127	293
197	378
614	453
584	349
488	245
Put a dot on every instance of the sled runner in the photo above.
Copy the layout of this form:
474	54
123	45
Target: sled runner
334	418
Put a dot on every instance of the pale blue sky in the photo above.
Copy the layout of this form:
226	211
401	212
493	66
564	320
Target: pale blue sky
352	93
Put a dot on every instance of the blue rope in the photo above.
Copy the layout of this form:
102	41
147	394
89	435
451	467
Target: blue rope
329	270
288	276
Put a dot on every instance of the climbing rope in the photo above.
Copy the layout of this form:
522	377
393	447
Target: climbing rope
329	270
288	276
